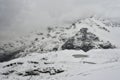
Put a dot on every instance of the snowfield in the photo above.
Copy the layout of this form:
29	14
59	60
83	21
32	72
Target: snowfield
89	49
64	65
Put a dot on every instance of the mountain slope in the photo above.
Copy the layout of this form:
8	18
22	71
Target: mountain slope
87	50
56	37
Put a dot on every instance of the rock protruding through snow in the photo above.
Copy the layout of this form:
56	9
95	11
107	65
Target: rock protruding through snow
84	40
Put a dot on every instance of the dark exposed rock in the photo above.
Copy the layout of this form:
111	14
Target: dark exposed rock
86	41
89	62
9	55
106	45
35	72
80	56
8	73
13	64
55	49
51	70
31	72
36	39
33	62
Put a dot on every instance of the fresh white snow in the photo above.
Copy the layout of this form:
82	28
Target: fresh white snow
93	65
38	61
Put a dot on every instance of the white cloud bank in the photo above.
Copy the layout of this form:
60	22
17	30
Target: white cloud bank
25	15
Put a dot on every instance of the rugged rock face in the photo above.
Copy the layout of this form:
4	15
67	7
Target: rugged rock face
85	41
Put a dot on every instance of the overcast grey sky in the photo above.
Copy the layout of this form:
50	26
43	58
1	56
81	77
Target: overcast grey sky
18	16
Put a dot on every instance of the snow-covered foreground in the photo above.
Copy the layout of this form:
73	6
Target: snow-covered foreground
64	65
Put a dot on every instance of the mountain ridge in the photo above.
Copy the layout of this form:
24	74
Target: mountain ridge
56	37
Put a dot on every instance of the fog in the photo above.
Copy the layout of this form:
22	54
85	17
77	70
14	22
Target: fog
21	16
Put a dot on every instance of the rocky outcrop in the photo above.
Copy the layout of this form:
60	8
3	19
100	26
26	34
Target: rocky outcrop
86	41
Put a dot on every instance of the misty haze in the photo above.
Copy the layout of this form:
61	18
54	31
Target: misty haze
59	39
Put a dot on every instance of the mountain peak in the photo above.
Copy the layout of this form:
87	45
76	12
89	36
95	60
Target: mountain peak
84	40
84	34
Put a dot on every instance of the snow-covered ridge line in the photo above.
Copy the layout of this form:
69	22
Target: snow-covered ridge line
56	37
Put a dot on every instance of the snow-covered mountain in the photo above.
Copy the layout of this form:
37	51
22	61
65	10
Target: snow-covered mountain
63	53
98	33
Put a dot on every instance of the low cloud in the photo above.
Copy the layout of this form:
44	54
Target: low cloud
26	15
